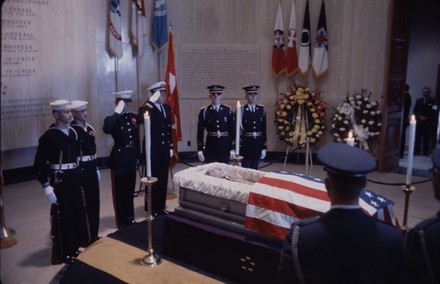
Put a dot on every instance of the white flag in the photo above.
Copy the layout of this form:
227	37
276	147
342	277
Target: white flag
114	29
304	48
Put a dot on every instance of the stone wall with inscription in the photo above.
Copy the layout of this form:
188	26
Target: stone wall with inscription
55	49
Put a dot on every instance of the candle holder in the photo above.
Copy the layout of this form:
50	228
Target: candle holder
237	160
150	259
407	190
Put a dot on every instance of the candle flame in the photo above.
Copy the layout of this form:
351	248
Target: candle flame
146	115
238	103
350	134
413	118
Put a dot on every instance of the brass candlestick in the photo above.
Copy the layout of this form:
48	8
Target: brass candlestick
237	160
407	189
150	259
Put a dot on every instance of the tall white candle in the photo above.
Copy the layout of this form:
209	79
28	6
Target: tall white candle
237	129
147	128
350	139
412	135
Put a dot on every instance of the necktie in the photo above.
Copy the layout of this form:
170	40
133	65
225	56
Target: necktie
162	110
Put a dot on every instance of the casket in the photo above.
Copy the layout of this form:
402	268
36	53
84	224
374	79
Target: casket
259	203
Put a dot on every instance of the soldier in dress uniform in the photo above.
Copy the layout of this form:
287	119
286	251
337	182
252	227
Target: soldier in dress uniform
161	144
90	174
344	245
423	241
253	135
57	171
124	157
219	122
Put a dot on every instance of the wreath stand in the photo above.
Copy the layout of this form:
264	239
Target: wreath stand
308	156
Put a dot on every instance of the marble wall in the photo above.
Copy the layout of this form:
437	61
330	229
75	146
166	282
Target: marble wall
57	49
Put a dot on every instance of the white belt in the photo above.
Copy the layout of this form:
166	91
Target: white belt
68	166
87	158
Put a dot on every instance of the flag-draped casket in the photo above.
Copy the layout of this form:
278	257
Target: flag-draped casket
263	202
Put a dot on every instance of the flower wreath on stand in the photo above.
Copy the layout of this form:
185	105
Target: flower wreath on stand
357	114
300	117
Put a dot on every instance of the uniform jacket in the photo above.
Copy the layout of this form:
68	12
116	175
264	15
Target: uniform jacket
344	246
425	109
220	127
253	132
124	129
86	139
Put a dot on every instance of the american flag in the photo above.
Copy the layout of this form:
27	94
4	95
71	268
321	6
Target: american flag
279	198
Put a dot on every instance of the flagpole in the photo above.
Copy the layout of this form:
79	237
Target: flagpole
158	65
116	61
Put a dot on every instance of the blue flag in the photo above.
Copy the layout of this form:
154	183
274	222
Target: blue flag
160	25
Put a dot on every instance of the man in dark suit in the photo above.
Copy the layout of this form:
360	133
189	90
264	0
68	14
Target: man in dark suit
343	245
161	144
219	122
425	111
124	157
253	135
423	242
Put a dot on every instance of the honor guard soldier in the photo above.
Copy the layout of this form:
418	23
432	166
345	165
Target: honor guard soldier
253	137
89	169
218	120
423	241
124	157
344	244
161	144
57	171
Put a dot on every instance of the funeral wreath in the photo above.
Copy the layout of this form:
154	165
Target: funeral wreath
300	117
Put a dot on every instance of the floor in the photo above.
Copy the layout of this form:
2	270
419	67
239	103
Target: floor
26	210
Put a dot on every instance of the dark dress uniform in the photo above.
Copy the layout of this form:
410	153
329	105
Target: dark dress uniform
63	175
424	107
220	127
124	160
253	137
423	246
89	178
161	144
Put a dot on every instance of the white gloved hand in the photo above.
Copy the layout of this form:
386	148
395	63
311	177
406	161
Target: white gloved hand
98	173
48	190
232	154
200	155
171	153
120	107
263	154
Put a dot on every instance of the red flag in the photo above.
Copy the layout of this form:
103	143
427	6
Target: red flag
172	99
278	57
304	48
320	52
292	54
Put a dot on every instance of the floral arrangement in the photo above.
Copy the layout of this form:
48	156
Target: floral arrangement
359	114
299	116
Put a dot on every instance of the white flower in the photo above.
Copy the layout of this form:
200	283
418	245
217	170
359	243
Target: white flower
346	122
336	134
373	113
371	122
374	103
363	121
342	129
365	111
368	106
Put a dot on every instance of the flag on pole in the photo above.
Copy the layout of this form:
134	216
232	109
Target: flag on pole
304	47
138	26
278	57
172	99
292	53
114	29
320	52
160	25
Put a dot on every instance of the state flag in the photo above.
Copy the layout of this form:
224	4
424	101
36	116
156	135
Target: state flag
172	99
292	53
160	24
304	48
138	29
114	26
278	55
320	52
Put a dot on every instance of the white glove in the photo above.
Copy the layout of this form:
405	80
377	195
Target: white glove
232	154
171	153
48	190
263	154
98	173
200	155
120	107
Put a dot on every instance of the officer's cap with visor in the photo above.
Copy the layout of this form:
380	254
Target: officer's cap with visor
155	90
344	160
78	105
60	105
251	90
215	90
124	95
